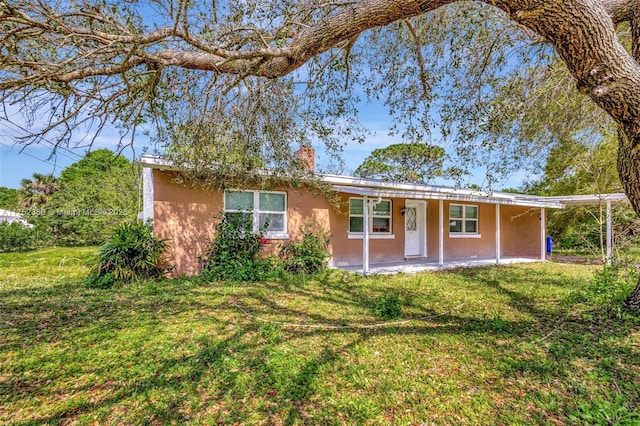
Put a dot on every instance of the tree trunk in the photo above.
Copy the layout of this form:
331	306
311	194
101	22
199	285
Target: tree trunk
584	36
629	172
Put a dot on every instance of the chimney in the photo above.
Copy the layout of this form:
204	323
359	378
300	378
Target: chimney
307	155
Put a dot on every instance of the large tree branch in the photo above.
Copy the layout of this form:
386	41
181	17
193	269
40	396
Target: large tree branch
620	10
352	19
584	36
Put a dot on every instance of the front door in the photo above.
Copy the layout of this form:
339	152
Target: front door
414	229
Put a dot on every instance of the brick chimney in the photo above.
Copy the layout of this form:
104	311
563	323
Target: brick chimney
308	156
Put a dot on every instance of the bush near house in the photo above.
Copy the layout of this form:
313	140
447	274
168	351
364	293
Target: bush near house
233	254
309	255
131	253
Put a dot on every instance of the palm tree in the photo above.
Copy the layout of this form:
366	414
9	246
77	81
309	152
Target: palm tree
37	191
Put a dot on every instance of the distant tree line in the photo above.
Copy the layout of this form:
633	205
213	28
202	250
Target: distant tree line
81	206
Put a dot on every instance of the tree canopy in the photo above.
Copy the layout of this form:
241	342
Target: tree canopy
96	193
87	200
404	162
37	191
8	198
277	74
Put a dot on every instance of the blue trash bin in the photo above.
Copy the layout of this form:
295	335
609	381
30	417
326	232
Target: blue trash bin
549	244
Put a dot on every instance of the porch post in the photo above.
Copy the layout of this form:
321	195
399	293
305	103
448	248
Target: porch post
441	233
365	236
543	232
609	232
497	234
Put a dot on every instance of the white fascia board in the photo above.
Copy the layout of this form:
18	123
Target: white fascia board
156	162
373	183
373	187
451	195
583	200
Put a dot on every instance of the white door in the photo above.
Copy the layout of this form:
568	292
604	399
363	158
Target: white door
414	229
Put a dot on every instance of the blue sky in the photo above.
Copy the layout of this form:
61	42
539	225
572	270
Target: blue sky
18	162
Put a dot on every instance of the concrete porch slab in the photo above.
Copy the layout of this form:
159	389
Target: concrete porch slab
422	265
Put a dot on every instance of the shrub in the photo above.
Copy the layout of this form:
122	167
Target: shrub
308	256
233	253
609	287
16	236
131	253
388	306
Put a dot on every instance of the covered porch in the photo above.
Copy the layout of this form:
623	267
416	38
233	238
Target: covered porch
446	250
373	194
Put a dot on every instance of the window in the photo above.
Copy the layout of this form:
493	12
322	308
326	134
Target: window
267	207
463	219
380	220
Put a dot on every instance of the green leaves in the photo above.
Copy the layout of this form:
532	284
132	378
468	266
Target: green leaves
96	193
233	253
132	253
412	163
17	236
309	255
388	306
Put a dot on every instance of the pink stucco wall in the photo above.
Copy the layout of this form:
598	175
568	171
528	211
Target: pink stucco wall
185	215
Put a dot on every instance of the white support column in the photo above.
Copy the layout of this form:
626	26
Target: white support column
543	234
147	194
609	233
441	233
365	236
498	234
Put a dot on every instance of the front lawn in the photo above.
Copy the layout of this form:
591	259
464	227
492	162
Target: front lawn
535	343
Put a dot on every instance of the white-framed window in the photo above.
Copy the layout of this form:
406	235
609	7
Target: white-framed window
380	222
263	207
463	219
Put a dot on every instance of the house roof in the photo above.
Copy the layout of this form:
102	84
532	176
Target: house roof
594	199
378	188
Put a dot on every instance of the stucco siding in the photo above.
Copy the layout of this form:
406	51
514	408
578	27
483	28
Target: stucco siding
472	246
185	216
520	234
348	251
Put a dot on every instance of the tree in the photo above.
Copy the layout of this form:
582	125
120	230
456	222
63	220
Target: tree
37	192
235	62
412	163
96	194
8	198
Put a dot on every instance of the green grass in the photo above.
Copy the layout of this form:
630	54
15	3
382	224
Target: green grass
527	344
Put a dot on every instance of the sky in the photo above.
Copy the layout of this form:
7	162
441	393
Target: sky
18	162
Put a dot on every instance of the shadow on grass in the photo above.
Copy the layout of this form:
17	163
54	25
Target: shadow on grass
233	369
